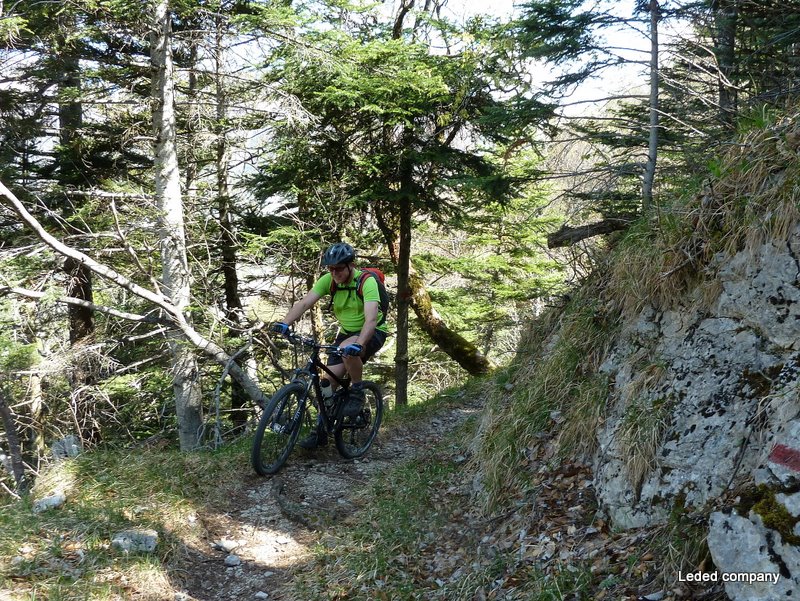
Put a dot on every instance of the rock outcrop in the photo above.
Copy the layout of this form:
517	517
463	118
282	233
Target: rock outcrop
702	397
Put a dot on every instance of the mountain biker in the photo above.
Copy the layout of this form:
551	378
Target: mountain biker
362	326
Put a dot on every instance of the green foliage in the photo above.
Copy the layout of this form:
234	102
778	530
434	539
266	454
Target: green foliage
380	103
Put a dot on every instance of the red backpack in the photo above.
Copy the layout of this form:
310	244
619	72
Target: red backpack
380	279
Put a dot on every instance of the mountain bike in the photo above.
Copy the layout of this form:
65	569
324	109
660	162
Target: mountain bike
294	409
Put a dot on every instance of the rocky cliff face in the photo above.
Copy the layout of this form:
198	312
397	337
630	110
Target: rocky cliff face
702	399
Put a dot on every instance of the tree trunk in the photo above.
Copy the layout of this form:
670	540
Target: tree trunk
725	22
652	151
458	348
79	277
14	446
403	297
233	302
175	268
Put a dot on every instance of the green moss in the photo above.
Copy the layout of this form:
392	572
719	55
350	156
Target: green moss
775	516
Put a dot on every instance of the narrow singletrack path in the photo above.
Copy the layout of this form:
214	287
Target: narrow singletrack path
265	533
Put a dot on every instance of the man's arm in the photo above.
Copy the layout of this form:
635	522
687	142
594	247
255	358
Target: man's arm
370	323
301	306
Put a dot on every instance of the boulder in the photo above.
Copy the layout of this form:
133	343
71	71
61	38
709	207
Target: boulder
753	560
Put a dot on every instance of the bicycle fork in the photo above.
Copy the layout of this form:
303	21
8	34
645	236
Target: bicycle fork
281	426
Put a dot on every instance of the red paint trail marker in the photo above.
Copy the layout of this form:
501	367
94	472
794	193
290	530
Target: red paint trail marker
786	456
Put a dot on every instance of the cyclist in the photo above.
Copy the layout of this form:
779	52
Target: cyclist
362	325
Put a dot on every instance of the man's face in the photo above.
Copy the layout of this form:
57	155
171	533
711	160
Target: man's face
340	273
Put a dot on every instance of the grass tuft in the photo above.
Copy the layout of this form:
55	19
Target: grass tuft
65	553
557	384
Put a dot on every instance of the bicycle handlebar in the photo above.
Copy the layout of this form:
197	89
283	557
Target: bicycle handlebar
309	342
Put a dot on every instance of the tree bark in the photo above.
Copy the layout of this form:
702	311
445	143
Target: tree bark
726	16
458	348
79	278
652	150
175	268
401	359
14	446
228	247
464	352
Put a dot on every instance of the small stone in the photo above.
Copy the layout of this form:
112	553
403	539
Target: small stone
232	561
261	595
133	541
225	545
52	502
268	574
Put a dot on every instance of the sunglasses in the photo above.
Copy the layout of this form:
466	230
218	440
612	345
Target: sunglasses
337	268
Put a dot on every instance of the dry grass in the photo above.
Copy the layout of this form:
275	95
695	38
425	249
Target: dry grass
755	199
557	384
666	260
640	435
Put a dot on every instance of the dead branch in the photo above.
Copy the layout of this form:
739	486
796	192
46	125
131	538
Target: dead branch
71	300
567	236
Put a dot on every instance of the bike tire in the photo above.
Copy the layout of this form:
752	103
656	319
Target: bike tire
354	436
277	431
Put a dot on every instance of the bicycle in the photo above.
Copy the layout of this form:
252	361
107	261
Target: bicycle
288	414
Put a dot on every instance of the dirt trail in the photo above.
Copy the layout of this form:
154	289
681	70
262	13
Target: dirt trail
262	536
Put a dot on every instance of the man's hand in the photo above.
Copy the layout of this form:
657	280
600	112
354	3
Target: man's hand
353	350
280	328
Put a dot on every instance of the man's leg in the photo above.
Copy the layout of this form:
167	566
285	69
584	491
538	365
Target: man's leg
319	438
353	364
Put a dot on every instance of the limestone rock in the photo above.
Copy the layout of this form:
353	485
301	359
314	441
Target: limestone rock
53	501
713	387
135	541
740	545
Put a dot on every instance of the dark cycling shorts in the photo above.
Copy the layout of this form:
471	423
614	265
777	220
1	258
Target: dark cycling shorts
373	346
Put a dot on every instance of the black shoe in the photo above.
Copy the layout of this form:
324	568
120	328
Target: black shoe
355	401
314	440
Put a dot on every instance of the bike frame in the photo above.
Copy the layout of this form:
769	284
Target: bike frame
310	377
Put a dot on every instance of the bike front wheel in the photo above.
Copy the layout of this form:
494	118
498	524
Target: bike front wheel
278	428
354	435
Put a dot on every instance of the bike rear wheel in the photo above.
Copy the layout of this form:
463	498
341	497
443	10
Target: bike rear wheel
354	435
279	427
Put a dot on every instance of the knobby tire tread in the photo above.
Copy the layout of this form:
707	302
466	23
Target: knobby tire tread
261	467
367	435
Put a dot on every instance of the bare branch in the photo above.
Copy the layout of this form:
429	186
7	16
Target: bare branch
566	236
173	314
78	302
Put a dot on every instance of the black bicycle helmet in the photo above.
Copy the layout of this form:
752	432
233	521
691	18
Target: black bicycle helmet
338	254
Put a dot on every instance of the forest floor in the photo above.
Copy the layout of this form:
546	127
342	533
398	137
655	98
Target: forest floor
548	543
265	534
